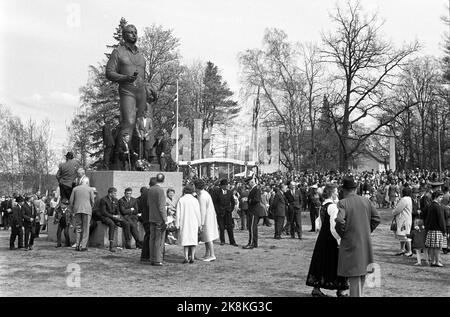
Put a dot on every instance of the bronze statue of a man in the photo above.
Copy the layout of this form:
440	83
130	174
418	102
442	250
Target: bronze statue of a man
126	66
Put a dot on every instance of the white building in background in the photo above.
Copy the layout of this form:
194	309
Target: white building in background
236	143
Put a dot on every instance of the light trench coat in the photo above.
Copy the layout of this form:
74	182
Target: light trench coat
188	220
208	217
403	217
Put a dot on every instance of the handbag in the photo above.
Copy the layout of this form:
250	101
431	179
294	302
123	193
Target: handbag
394	225
318	223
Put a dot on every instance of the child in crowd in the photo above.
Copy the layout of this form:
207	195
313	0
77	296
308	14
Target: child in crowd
171	235
418	241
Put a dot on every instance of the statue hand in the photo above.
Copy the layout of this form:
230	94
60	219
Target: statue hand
130	78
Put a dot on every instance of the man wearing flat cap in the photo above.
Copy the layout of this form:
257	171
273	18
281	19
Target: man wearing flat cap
355	221
224	204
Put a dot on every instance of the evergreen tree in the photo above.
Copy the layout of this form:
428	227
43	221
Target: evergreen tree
217	107
117	36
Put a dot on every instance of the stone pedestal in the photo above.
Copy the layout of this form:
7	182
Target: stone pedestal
102	180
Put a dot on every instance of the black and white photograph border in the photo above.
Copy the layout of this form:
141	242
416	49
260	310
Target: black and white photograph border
266	130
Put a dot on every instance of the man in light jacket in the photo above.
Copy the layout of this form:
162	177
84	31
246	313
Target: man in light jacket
355	221
81	202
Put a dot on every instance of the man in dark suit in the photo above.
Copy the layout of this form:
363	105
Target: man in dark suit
255	212
126	153
278	208
16	224
224	204
96	213
355	221
145	220
294	203
108	142
66	175
162	150
110	216
157	210
128	208
29	215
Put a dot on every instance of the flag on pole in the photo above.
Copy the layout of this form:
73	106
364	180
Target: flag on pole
177	136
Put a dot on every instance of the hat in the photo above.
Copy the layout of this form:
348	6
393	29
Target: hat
19	199
349	183
95	190
69	155
223	182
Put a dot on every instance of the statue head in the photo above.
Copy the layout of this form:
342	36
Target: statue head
129	34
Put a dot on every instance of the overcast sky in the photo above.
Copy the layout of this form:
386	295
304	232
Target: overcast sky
47	46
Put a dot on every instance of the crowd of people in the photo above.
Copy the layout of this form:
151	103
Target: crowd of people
341	205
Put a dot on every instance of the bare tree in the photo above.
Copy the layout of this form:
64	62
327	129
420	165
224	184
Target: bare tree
275	69
313	74
365	69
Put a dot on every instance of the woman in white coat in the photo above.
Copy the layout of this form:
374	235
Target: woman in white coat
188	223
403	216
208	220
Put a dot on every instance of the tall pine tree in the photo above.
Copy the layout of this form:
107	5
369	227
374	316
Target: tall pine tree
217	107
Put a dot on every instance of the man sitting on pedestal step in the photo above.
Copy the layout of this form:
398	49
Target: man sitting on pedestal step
128	208
110	216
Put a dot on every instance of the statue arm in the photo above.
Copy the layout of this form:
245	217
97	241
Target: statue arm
112	68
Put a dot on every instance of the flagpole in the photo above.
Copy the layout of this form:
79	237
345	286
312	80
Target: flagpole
176	155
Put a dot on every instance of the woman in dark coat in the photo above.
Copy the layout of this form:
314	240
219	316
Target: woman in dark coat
436	229
324	262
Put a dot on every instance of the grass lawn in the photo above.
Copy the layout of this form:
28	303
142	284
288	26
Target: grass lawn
276	268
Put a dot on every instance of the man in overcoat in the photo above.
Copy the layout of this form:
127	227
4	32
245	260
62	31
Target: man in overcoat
355	221
255	212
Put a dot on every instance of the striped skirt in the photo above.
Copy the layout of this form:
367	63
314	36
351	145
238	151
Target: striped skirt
435	239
